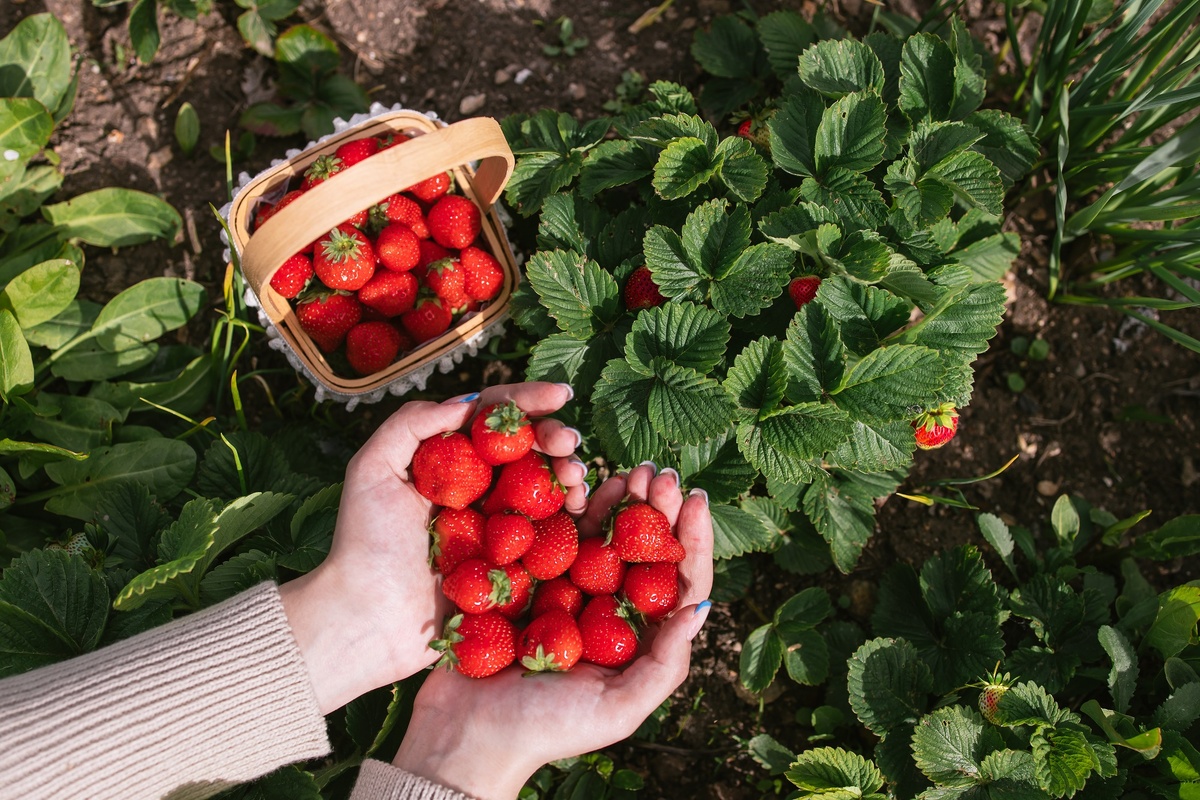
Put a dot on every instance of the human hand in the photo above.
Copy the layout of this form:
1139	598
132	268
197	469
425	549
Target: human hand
485	737
364	618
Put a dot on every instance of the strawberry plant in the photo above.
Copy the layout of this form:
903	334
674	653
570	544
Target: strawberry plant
879	175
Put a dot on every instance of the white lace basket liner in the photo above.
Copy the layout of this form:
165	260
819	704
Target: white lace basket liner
435	147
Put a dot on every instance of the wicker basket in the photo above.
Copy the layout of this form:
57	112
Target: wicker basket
434	147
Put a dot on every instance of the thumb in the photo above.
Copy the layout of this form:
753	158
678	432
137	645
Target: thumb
651	678
391	447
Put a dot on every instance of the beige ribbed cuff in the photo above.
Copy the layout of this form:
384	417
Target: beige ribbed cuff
215	698
380	781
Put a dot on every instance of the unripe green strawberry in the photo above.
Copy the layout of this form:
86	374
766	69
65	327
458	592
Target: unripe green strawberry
477	645
993	688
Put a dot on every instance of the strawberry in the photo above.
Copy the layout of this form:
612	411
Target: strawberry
652	589
502	433
641	291
431	188
399	208
608	637
744	130
445	278
454	221
803	289
476	586
371	346
555	544
597	568
520	589
457	535
642	533
936	426
344	259
528	486
431	251
557	593
551	643
391	140
358	150
389	293
398	247
482	275
428	319
507	537
447	470
994	687
264	213
477	645
327	318
320	170
292	276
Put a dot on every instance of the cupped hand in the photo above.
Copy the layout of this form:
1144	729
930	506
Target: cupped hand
486	737
364	618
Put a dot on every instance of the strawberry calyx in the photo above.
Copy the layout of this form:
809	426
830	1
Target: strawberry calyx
507	419
445	645
322	168
944	416
501	593
541	661
340	246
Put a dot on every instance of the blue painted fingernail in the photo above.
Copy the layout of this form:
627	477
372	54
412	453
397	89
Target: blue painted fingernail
704	605
473	396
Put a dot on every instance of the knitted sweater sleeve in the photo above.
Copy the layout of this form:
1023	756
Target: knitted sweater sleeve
380	781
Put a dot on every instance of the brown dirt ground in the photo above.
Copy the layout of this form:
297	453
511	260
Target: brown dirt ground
1111	415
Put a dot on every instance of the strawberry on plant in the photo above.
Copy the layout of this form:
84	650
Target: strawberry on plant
454	221
641	291
609	639
803	289
551	643
477	645
744	129
597	569
328	317
457	535
502	433
528	486
652	589
482	275
555	545
993	688
428	319
292	276
344	259
358	150
520	589
447	471
398	247
936	426
476	586
642	533
431	188
557	593
320	170
389	293
371	346
507	537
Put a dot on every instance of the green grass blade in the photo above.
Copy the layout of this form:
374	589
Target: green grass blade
1060	196
1177	336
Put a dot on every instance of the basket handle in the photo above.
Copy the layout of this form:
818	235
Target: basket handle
324	207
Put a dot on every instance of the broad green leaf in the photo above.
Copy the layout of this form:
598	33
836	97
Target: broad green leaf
973	179
867	314
240	518
950	743
147	310
539	175
754	280
568	222
837	67
265	119
796	226
769	753
1177	538
186	394
685	406
621	415
235	575
761	656
25	195
863	255
684	166
613	163
685	334
850	195
889	382
311	529
831	773
926	78
290	782
889	686
182	547
187	128
757	379
877	448
736	532
742	169
1029	704
844	518
998	536
8	489
806	657
718	467
1062	760
726	49
931	143
114	217
1006	143
784	443
260	466
42	292
16	362
662	131
1175	626
561	358
805	609
25	128
814	355
793	132
1065	521
1122	678
784	35
989	259
580	295
957	580
35	61
132	520
1181	709
1010	772
850	134
164	466
143	29
963	321
91	362
80	423
61	592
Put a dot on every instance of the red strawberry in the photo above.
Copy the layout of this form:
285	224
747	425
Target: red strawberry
526	485
994	688
457	535
344	259
557	593
641	291
400	208
320	170
476	586
264	213
454	221
803	289
597	568
431	251
427	320
477	645
551	643
447	470
371	346
482	275
327	318
292	276
555	544
608	637
520	589
936	426
389	293
431	188
398	247
507	537
359	220
391	140
445	278
358	150
640	533
502	433
744	130
652	589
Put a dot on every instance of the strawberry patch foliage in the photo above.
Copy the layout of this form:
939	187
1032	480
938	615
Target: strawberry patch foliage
879	174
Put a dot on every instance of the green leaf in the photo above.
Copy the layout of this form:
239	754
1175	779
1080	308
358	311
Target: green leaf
850	134
182	547
25	128
1062	760
793	132
831	773
580	295
806	657
718	467
867	314
877	448
16	362
539	175
963	321
25	195
114	217
662	131
889	685
614	163
796	226
312	530
770	754
863	255
132	520
757	379
260	466
783	444
1009	774
844	517
726	48
285	783
1122	678
957	580
1177	538
683	167
1181	709
35	61
1006	143
1175	626
926	66
784	35
235	575
933	143
736	532
685	406
74	423
91	362
850	195
742	169
143	29
950	743
814	354
837	67
268	119
164	466
973	179
621	415
989	259
41	292
186	393
761	656
889	382
685	334
371	718
804	610
1029	704
187	128
147	310
998	536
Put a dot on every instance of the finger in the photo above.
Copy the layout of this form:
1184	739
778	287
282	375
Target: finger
535	398
576	502
695	533
570	471
664	494
391	447
604	499
637	485
554	438
651	678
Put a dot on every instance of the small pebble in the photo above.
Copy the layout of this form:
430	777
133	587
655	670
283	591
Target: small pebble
577	91
1047	488
522	76
502	77
472	103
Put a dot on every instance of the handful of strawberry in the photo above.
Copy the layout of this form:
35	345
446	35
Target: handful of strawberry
392	276
527	587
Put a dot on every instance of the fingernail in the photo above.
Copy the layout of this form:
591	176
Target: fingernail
583	470
587	488
469	398
699	616
671	472
698	492
578	436
570	391
653	467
